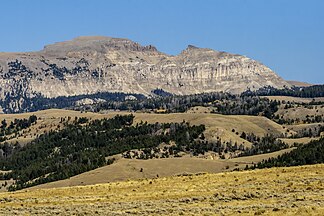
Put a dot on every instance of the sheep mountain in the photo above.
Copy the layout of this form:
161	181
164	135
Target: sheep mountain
92	65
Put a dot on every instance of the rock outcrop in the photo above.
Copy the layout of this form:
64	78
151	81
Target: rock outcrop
88	65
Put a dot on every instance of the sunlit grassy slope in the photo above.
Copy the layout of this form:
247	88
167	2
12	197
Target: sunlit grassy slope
131	169
275	191
216	125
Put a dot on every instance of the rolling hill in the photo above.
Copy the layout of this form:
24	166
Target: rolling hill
275	191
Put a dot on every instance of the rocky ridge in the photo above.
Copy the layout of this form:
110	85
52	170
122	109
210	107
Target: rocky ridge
87	65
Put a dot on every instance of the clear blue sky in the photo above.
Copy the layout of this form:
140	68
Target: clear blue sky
286	35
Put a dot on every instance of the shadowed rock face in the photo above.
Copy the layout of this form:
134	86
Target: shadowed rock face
89	65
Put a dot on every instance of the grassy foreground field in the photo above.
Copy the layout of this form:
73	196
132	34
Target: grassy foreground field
275	191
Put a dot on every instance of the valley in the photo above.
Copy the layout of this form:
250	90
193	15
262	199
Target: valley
87	118
173	107
228	142
130	169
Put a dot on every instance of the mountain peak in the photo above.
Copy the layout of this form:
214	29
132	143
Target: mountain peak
92	64
99	44
191	47
87	38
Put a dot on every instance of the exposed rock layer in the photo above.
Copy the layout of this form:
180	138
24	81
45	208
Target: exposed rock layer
88	65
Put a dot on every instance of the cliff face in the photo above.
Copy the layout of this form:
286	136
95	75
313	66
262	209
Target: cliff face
89	65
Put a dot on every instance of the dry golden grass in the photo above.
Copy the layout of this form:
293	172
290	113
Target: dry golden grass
294	99
275	191
200	109
256	124
220	125
47	120
216	125
130	169
300	113
303	140
4	184
258	158
303	127
278	191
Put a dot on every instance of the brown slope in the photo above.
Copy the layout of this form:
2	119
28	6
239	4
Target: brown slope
131	169
276	191
216	124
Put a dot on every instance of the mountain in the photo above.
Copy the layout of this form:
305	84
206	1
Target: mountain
88	65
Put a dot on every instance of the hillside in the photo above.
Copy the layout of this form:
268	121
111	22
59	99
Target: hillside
63	143
216	125
132	169
88	65
80	142
275	191
295	99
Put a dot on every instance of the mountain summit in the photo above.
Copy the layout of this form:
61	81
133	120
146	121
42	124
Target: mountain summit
87	65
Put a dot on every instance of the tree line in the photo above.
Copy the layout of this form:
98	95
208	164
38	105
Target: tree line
305	92
15	126
82	147
311	153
